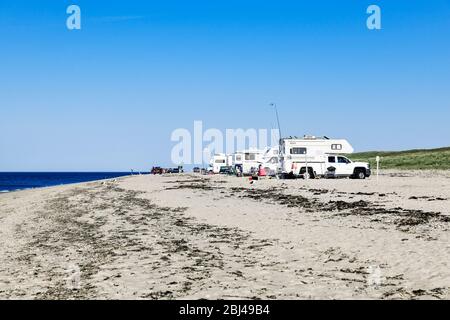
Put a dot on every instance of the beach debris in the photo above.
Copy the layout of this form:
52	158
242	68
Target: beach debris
374	276
73	277
403	219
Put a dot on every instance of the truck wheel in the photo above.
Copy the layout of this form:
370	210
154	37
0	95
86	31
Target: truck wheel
360	174
308	174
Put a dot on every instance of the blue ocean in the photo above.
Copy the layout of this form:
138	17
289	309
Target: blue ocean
12	181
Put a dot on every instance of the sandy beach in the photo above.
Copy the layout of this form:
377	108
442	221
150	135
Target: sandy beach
218	237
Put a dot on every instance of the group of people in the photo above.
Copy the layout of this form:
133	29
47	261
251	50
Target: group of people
260	172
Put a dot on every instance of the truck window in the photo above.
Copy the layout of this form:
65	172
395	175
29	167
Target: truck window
332	159
220	161
298	150
238	158
342	160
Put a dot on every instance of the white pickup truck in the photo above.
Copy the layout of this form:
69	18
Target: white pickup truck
340	166
319	157
326	166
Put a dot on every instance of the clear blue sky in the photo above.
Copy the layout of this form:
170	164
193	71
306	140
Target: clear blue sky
108	96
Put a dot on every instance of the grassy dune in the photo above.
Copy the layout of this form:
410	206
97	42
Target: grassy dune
411	159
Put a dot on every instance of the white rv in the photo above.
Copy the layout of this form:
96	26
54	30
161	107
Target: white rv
270	152
248	160
319	157
218	161
270	160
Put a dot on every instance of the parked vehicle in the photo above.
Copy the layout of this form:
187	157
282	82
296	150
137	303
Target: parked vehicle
307	157
157	170
319	157
217	161
227	170
196	170
339	166
179	169
248	160
270	160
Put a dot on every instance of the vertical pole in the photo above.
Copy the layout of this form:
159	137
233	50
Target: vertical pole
378	167
278	123
306	161
205	152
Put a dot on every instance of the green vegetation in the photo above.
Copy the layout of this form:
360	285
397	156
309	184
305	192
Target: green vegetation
410	159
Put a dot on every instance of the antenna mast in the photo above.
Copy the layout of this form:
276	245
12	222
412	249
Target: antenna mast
278	121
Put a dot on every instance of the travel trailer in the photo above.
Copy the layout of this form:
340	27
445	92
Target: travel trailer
312	156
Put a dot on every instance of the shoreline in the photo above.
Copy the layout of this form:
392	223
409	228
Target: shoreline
383	172
190	236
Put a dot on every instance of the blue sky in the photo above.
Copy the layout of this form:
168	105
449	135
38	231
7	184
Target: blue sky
108	96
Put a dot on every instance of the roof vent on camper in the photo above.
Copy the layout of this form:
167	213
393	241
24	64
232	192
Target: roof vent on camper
309	137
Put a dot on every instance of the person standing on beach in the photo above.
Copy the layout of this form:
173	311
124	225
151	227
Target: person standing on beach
261	171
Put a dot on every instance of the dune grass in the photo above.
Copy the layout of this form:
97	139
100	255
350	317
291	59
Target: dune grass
420	159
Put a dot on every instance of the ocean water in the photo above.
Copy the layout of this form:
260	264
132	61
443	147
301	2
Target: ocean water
12	181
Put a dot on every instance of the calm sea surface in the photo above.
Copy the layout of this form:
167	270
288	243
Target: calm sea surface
11	181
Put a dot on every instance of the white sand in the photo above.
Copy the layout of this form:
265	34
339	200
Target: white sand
192	236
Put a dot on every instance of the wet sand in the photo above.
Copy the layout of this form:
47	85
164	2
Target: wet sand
215	237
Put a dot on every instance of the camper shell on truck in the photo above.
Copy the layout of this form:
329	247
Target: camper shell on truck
218	161
270	160
248	160
319	157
